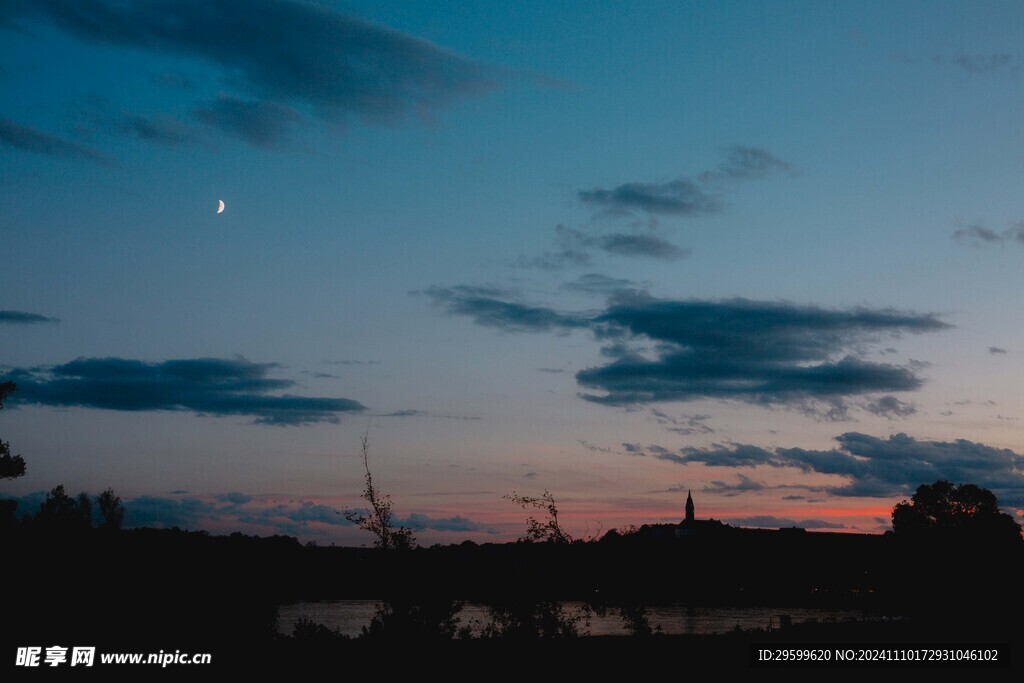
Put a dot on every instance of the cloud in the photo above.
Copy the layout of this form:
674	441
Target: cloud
751	351
409	412
491	307
995	350
743	485
592	447
574	248
770	522
766	353
679	197
234	498
747	163
979	235
685	425
641	245
419	521
162	130
22	318
551	371
890	407
282	54
260	123
684	197
160	512
351	362
596	283
872	466
26	139
985	63
205	386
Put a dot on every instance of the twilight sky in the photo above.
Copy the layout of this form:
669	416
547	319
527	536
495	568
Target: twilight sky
769	252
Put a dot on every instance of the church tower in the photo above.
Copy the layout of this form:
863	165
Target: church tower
689	507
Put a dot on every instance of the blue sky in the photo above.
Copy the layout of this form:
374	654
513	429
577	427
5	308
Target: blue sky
765	251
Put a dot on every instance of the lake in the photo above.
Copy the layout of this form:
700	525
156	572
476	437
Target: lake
349	616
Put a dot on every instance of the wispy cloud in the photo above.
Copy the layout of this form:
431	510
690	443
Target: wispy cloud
679	197
979	235
685	197
771	522
206	386
492	307
603	285
258	122
281	55
27	139
890	407
23	318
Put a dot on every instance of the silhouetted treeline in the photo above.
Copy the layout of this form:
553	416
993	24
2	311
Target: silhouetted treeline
90	575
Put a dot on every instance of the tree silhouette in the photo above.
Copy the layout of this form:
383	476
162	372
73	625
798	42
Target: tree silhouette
950	510
547	529
111	510
61	511
11	467
378	518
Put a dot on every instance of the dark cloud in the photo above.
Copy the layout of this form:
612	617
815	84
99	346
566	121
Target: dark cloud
156	511
234	498
595	283
994	350
552	371
162	130
456	523
641	245
206	386
680	197
282	53
979	235
770	522
759	352
491	307
258	122
26	139
890	407
873	466
22	318
803	357
530	475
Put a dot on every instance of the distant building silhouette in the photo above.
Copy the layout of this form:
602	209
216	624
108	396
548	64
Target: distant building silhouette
691	525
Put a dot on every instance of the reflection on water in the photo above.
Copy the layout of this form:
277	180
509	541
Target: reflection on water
349	616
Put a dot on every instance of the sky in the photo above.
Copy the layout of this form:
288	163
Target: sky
765	252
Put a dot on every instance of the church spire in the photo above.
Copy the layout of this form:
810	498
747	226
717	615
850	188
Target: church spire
689	506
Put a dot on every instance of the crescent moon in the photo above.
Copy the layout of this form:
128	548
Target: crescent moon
220	206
